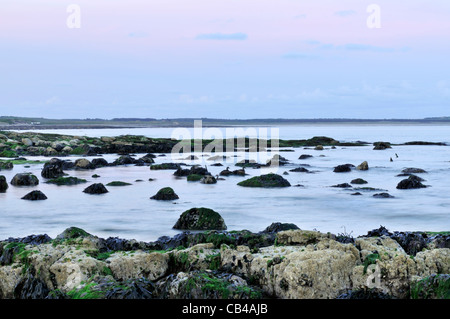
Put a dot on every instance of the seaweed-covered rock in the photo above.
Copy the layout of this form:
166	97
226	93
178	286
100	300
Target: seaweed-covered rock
96	188
4	165
165	166
118	183
166	193
35	195
200	219
410	183
70	180
277	227
436	286
194	177
31	287
268	180
73	232
24	179
3	184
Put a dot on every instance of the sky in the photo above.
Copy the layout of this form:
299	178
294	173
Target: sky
233	59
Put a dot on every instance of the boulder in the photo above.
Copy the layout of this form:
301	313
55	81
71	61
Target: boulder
318	148
364	166
83	163
66	181
35	195
99	162
24	179
413	170
166	193
381	145
53	169
268	180
305	156
97	188
208	179
410	183
3	184
358	181
200	219
343	168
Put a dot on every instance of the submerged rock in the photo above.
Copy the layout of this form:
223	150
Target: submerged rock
208	179
413	170
97	188
6	165
118	183
166	193
268	180
305	156
70	180
299	170
35	195
25	179
200	219
383	195
343	185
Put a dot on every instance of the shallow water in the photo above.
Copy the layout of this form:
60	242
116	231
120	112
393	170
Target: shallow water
128	212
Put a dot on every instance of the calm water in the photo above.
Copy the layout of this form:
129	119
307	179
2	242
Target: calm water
128	212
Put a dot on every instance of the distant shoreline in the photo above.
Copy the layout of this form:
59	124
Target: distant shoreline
21	124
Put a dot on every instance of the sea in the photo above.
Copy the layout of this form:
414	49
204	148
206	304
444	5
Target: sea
311	202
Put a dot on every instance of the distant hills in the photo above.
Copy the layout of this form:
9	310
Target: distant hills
14	122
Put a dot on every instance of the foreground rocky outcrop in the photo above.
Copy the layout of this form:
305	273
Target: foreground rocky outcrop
280	262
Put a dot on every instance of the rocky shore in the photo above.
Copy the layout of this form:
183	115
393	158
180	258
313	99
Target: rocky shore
281	261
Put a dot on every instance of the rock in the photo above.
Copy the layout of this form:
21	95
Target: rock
278	227
318	148
27	142
3	184
148	158
49	151
166	193
250	163
410	183
358	181
381	145
165	166
31	288
97	188
217	158
383	195
356	194
72	233
200	219
6	165
343	185
305	156
95	176
268	180
238	172
83	163
413	170
277	160
364	166
208	179
35	195
118	183
67	149
124	160
151	266
99	162
301	237
431	287
343	168
25	179
107	139
53	169
299	169
194	177
66	181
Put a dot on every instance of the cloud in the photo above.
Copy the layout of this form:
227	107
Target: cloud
345	13
222	36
